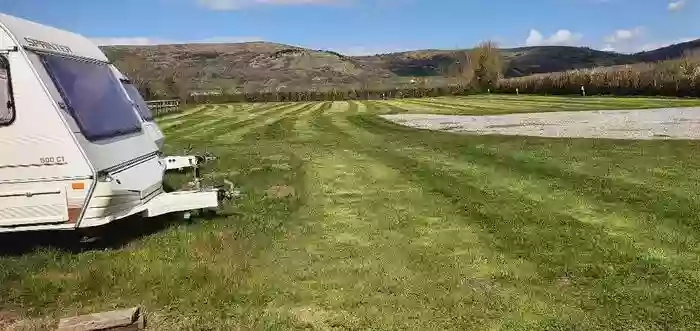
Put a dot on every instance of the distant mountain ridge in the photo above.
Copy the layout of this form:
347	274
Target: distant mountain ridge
264	66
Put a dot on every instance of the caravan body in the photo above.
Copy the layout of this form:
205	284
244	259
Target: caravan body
73	153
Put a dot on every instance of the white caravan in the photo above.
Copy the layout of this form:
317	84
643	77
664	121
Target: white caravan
73	152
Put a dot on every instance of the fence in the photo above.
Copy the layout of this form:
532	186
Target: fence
162	107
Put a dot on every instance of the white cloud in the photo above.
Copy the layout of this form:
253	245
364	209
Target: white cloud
562	37
223	5
635	40
624	40
643	46
624	35
162	41
676	5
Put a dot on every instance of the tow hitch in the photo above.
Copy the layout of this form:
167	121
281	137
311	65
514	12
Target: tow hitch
225	192
180	163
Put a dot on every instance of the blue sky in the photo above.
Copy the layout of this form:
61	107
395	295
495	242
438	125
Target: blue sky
371	26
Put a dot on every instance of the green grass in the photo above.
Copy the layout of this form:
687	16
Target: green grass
351	222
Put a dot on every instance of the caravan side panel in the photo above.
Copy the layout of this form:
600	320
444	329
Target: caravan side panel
44	176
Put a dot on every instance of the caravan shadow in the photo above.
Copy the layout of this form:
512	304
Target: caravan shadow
114	235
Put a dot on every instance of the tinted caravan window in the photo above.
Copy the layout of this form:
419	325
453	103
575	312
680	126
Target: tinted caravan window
136	97
7	108
93	96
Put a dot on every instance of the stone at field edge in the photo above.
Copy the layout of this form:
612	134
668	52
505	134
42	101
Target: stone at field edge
124	319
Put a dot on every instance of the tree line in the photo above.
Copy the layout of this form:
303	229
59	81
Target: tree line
677	78
334	95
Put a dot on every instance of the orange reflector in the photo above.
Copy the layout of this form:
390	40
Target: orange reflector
78	186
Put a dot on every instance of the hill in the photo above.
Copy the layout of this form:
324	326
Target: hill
264	66
519	61
241	67
668	52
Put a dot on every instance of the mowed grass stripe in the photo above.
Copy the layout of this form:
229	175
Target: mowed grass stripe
387	107
283	128
302	124
185	112
205	117
352	107
216	128
359	106
447	108
252	119
289	111
490	107
591	99
575	103
206	112
187	124
241	119
223	114
473	108
166	122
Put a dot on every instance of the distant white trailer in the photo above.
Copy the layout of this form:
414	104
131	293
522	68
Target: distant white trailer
74	153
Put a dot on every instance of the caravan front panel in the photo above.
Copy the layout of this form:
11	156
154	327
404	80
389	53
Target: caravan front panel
44	175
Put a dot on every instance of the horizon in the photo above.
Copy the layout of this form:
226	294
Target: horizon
365	27
376	54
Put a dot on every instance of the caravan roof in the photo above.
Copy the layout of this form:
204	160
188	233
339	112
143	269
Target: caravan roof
44	38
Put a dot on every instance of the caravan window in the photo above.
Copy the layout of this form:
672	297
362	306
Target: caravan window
93	96
7	108
136	97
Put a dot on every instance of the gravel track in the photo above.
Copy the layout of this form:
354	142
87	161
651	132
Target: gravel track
663	123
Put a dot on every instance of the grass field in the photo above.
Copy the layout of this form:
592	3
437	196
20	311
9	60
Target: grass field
350	222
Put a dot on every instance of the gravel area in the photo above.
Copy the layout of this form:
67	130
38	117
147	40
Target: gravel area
664	123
